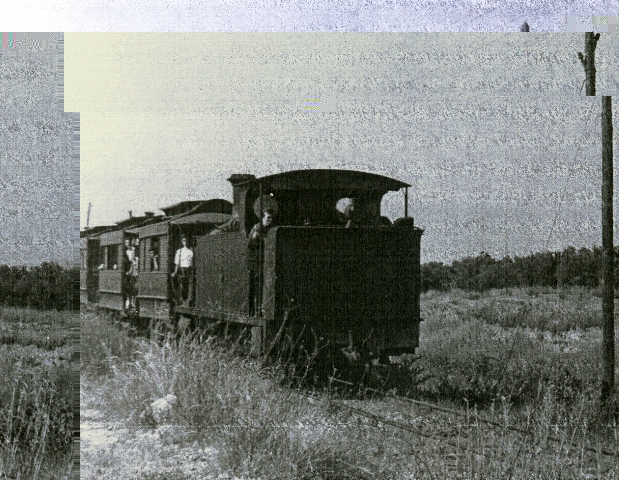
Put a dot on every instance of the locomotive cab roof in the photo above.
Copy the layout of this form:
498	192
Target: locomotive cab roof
310	197
327	179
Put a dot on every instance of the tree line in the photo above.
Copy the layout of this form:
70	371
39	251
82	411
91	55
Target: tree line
570	267
46	286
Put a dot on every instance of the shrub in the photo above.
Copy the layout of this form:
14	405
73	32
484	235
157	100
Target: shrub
44	329
478	349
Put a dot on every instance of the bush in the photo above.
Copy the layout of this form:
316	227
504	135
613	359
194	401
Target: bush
46	286
508	347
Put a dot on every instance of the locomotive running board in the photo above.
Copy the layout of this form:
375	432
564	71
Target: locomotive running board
257	324
220	315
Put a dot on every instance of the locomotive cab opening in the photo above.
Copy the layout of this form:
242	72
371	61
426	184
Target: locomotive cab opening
315	207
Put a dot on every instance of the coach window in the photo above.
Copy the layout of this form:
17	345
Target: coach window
153	254
102	258
112	257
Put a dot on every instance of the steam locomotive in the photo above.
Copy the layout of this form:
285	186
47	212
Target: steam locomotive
350	281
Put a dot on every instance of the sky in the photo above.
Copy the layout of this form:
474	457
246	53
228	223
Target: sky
174	116
501	147
297	15
36	172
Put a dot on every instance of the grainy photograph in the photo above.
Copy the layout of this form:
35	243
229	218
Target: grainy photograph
37	177
346	255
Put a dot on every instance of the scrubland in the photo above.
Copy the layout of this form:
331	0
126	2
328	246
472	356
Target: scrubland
525	358
36	393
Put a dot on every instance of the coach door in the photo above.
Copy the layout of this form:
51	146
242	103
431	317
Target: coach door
93	270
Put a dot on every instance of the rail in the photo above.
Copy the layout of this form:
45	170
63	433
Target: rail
476	417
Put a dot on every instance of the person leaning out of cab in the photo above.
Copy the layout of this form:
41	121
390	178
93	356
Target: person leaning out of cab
255	258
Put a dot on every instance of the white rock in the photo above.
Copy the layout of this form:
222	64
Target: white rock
162	407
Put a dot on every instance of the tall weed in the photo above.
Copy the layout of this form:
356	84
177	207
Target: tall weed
259	429
36	412
102	344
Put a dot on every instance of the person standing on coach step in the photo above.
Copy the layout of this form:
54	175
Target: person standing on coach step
183	261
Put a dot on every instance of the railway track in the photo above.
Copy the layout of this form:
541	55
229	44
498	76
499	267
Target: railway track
468	437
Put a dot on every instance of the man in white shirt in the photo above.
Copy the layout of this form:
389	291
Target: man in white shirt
183	261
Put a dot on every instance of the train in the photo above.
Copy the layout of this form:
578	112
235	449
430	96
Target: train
332	268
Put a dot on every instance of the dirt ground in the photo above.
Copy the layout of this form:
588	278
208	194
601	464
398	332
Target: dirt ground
111	450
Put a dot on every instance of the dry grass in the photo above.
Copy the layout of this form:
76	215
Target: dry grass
546	378
36	390
255	428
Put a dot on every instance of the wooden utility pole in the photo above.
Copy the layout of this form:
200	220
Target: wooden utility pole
88	215
608	295
608	302
588	61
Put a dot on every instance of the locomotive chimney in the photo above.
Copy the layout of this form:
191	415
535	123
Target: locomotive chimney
149	214
238	194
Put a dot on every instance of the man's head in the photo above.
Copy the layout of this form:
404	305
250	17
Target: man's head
127	242
184	240
267	217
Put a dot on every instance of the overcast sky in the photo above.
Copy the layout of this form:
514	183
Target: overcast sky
36	173
185	112
297	15
501	146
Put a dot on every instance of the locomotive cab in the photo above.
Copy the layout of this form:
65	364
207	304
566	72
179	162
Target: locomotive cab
354	287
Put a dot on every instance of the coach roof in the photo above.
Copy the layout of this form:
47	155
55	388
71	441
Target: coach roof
213	205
